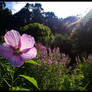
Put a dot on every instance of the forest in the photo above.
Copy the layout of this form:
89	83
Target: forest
58	55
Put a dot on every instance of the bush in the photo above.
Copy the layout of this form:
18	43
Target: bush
87	71
40	32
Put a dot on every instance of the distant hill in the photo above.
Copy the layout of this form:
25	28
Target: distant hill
70	23
70	19
83	20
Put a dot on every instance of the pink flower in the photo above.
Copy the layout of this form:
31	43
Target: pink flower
56	62
74	71
62	63
49	62
17	48
63	55
90	56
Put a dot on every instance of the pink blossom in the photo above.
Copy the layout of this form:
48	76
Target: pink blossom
62	63
63	55
49	62
74	71
90	56
56	62
17	48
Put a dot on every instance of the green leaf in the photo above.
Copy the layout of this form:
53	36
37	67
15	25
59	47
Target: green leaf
32	62
18	89
30	79
84	88
66	83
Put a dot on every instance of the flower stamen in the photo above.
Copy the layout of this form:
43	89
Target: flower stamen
17	51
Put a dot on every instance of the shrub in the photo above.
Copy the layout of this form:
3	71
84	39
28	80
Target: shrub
40	32
87	71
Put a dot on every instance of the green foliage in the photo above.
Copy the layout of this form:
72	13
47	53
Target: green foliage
53	77
32	62
11	80
87	70
40	32
30	79
63	42
47	77
18	89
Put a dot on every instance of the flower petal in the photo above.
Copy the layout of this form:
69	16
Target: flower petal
29	54
16	61
12	38
27	41
6	51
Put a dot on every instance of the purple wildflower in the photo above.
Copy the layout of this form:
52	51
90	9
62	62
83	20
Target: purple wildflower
62	63
90	56
55	62
18	49
49	62
74	71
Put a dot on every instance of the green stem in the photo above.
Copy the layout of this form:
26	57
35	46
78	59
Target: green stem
12	77
15	79
7	83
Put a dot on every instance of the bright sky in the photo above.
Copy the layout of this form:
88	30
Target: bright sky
61	9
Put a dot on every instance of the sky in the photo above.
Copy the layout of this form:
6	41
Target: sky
61	9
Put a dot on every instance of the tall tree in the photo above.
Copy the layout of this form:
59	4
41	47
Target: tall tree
2	4
5	15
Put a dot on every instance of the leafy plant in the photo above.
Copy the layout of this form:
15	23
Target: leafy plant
30	79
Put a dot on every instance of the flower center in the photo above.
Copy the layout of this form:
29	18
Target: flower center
17	51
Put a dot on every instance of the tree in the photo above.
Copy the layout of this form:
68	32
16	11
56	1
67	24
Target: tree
40	32
2	4
5	15
84	38
52	21
30	13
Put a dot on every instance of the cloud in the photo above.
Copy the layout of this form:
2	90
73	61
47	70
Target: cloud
64	9
61	9
16	6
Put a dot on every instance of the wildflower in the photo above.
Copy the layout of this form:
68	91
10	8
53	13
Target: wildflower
58	52
43	62
42	49
74	72
49	50
90	56
63	55
62	63
55	62
18	49
49	62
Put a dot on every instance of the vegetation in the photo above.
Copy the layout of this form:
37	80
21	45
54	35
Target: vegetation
40	32
64	48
